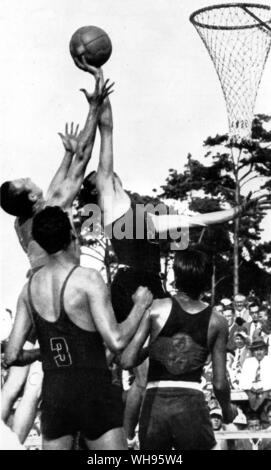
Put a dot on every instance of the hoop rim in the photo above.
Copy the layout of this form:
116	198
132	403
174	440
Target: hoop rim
193	20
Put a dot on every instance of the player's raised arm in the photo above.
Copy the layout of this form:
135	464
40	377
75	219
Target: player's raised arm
70	142
87	136
66	192
106	163
14	353
115	335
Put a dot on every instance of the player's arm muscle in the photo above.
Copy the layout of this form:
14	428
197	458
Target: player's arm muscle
164	223
14	354
218	334
134	353
115	335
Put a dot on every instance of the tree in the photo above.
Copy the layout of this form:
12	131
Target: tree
214	240
226	176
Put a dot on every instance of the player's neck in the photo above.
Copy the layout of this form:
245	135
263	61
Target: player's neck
186	299
189	303
63	258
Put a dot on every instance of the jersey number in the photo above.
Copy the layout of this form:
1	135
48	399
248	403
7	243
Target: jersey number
63	357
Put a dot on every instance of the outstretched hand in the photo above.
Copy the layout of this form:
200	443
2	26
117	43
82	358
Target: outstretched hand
70	138
102	89
256	205
100	92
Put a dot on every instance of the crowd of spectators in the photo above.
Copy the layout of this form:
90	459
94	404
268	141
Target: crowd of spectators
248	369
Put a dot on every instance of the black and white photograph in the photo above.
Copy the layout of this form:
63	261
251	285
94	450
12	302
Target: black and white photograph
135	254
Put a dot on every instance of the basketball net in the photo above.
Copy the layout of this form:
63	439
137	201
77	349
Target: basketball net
238	38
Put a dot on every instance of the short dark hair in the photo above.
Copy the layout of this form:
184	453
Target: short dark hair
253	417
15	202
192	272
254	304
52	229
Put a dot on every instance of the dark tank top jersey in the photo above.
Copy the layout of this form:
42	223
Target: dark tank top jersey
64	345
135	249
180	350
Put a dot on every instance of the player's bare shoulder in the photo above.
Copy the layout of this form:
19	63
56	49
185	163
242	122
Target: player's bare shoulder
90	279
217	320
90	274
160	307
159	313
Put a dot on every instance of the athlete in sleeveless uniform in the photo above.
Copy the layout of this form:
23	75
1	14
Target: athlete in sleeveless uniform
23	199
139	258
183	331
70	308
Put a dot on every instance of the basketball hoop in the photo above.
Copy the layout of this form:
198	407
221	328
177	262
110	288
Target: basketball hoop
238	38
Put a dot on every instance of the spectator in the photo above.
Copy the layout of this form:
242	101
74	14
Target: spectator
266	304
253	327
217	424
207	375
241	310
219	308
254	443
253	423
251	299
230	317
256	369
255	377
241	353
265	327
240	422
33	441
258	444
226	302
229	359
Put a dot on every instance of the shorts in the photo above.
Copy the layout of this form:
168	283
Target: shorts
175	418
124	285
81	400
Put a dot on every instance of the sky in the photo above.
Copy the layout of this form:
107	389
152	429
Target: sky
167	96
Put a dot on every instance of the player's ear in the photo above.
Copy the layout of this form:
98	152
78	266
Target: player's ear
32	197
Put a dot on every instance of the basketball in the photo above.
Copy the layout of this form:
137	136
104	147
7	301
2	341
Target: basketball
93	43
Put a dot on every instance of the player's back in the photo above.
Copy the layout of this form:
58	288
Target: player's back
65	329
180	349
